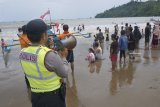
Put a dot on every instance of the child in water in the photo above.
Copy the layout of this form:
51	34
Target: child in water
90	57
4	46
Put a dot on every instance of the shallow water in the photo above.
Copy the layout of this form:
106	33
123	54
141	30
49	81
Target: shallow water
136	84
10	29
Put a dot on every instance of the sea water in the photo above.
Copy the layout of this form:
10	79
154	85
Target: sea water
10	29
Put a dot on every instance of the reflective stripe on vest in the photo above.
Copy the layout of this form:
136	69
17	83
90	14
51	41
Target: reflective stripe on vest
40	79
38	69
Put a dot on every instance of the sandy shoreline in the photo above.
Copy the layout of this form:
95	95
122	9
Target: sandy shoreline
135	85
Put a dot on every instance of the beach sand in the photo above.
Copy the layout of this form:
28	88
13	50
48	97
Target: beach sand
136	84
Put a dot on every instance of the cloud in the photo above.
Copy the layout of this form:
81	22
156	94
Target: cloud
2	1
11	10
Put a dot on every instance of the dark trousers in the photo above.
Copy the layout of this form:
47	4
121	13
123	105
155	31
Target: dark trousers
48	99
122	54
70	56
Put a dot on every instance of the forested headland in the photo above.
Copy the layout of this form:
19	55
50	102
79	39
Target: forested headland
133	9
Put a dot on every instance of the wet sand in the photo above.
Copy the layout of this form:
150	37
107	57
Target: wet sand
136	84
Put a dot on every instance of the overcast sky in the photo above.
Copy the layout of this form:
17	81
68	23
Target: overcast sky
21	10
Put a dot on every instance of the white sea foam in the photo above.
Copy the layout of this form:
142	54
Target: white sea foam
9	29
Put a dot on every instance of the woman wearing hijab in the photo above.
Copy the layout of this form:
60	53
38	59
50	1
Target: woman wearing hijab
156	34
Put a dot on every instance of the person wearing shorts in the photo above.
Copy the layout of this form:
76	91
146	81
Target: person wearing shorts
114	52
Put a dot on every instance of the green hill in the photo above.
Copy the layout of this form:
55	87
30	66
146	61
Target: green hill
133	9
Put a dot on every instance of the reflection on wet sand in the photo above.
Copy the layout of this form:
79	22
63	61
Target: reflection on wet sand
146	56
6	58
95	67
91	86
71	95
122	77
113	83
155	55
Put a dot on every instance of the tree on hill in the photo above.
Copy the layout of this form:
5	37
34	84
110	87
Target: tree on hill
133	9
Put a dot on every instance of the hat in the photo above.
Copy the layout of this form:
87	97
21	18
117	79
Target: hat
24	28
36	26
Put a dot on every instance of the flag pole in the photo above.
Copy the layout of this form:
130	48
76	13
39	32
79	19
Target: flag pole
51	19
50	16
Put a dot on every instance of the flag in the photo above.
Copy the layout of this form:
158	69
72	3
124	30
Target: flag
46	13
57	26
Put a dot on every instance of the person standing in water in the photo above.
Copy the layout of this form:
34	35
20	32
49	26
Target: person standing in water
137	36
100	38
70	56
131	43
156	34
5	51
147	35
123	45
113	52
23	39
3	45
97	50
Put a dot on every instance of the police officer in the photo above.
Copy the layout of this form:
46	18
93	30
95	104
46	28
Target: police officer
44	68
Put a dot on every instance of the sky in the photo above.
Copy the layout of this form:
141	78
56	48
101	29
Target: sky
24	10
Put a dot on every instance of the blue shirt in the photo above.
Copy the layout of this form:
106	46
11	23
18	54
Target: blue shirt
123	42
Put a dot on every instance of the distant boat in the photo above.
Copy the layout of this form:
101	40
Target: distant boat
156	22
84	34
88	35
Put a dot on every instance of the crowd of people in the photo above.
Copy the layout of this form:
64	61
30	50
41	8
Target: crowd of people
124	42
79	28
46	66
129	41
